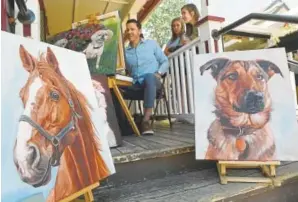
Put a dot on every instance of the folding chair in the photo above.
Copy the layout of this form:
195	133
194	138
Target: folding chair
138	95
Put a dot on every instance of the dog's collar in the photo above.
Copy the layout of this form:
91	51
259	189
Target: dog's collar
228	128
240	143
97	47
237	131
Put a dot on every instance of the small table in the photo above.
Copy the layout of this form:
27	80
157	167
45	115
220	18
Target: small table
113	84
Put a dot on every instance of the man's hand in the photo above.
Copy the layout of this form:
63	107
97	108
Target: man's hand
158	75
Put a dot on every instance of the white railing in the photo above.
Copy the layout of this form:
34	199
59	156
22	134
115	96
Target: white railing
179	81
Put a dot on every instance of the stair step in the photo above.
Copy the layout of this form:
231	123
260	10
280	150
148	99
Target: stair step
154	168
168	151
202	185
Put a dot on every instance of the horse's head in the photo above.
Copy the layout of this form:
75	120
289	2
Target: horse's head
47	125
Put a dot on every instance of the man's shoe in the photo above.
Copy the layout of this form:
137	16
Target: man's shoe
146	128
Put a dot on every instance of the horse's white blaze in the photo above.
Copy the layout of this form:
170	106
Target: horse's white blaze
25	129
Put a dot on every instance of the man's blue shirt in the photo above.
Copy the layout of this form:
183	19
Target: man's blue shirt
146	58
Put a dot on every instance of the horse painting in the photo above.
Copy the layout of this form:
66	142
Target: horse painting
55	129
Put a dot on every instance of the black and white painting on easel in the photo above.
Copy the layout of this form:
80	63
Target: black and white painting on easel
97	37
105	103
245	106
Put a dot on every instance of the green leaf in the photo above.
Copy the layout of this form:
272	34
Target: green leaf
158	25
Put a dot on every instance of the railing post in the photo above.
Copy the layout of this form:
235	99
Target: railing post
293	82
208	22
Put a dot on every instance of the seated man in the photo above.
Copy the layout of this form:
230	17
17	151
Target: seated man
145	63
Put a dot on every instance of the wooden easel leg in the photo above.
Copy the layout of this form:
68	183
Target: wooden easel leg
276	182
222	173
125	108
265	170
268	169
87	192
89	196
272	170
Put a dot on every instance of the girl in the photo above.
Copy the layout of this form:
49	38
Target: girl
190	15
176	41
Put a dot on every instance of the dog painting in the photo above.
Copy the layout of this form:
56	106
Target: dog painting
97	40
246	116
95	48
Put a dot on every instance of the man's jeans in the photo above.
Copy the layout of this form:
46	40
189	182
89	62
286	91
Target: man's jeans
150	85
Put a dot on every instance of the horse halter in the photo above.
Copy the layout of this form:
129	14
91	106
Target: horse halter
55	140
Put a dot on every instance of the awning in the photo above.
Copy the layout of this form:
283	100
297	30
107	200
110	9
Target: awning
61	14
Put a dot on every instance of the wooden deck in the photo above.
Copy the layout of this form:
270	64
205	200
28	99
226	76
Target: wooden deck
201	186
165	142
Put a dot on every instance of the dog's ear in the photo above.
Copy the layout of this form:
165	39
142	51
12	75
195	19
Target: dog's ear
216	65
269	67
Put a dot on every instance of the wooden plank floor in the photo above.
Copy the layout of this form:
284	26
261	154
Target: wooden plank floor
165	142
201	186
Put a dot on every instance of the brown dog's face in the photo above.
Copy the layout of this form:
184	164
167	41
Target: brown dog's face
241	94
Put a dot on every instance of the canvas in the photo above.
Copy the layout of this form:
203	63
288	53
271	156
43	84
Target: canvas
103	94
245	106
54	133
97	39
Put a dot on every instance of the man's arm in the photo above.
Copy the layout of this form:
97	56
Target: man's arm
162	60
127	67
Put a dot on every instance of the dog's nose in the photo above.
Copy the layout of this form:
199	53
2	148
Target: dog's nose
253	102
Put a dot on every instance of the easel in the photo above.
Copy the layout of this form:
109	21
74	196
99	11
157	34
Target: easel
87	192
268	169
113	84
